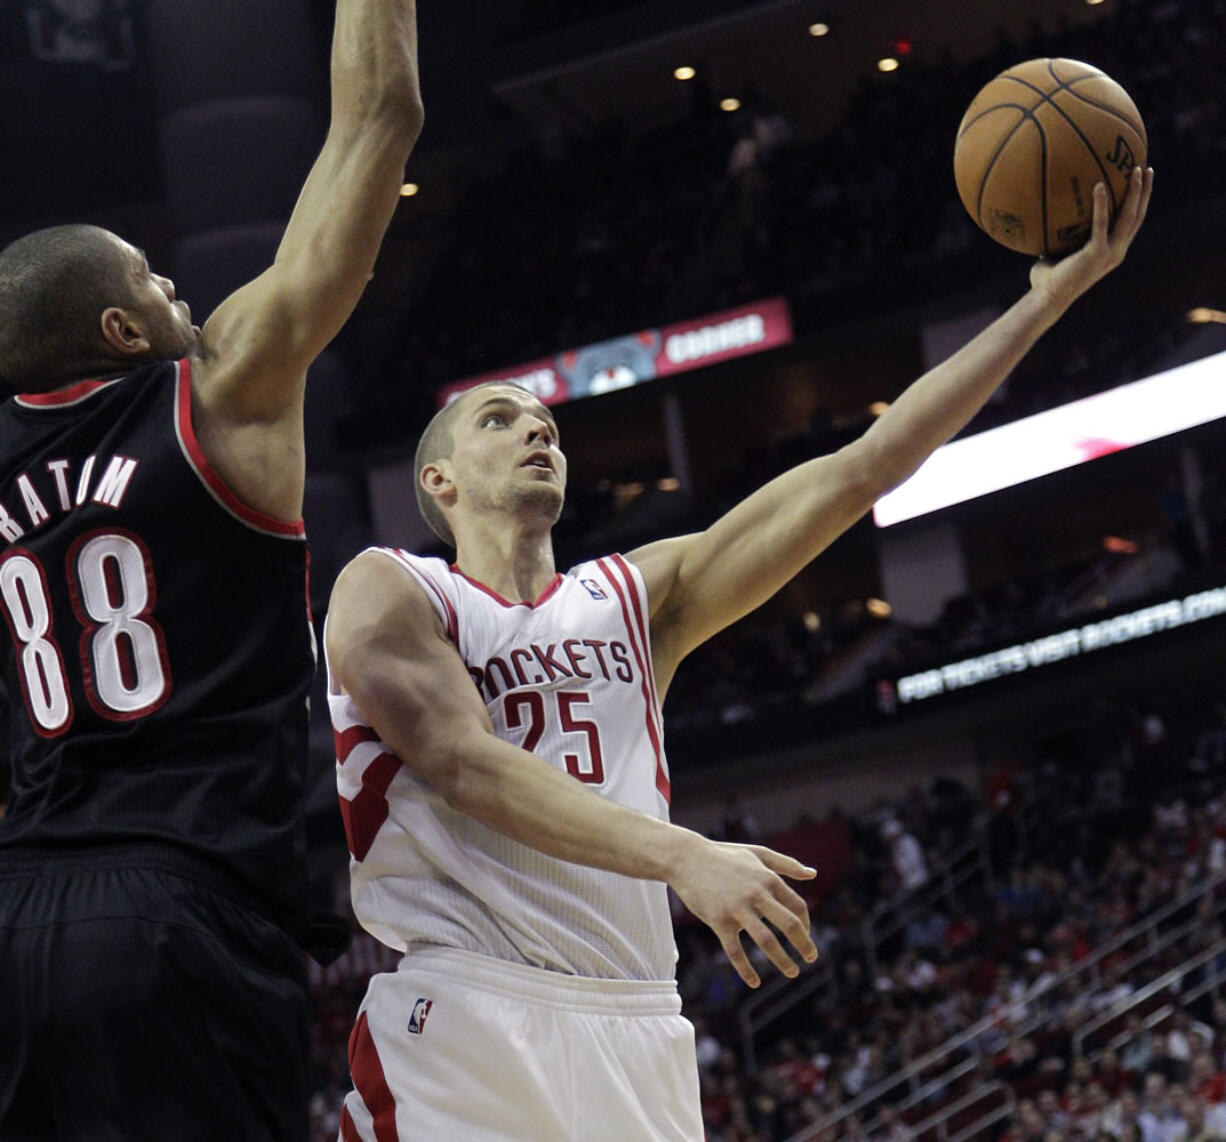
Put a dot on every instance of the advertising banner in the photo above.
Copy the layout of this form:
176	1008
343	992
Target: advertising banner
645	355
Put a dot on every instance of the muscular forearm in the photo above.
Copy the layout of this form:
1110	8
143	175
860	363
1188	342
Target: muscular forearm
939	404
374	61
531	801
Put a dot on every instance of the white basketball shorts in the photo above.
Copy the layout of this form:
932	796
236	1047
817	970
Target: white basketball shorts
458	1047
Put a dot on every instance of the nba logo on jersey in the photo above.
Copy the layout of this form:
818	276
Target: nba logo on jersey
417	1020
593	589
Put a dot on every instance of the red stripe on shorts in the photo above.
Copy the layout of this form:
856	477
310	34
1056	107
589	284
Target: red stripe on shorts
370	1081
349	1132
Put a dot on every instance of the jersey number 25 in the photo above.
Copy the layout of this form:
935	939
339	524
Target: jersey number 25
589	769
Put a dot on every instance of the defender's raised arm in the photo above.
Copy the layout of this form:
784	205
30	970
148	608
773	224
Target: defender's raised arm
258	344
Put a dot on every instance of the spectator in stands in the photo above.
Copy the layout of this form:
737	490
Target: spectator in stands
906	856
1114	1078
1028	1124
1135	1054
961	932
1206	1079
1162	1062
1186	1036
1160	1119
891	1128
1215	1120
1217	1024
1115	988
925	932
1051	1110
1122	1112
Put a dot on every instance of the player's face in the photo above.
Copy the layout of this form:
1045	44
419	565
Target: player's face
168	320
505	454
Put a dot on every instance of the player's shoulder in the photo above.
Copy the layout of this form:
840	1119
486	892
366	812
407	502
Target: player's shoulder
388	565
382	589
430	564
613	568
596	563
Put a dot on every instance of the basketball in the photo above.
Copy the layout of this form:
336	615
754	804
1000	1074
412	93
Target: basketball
1033	143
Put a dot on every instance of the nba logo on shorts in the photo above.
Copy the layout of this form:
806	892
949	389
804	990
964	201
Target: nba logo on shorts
417	1020
593	589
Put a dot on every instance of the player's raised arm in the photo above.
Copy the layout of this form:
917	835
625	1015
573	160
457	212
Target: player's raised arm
388	651
258	343
699	584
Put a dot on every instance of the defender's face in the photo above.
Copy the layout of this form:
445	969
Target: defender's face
505	452
169	320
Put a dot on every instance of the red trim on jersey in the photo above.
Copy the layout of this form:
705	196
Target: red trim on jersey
61	397
363	816
452	622
662	782
349	1132
553	585
348	740
208	473
370	1081
644	631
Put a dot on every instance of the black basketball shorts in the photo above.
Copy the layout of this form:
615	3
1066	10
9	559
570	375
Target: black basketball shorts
140	1004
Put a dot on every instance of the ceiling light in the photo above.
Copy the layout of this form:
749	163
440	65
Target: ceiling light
668	483
409	190
878	608
819	29
730	104
878	407
684	73
888	63
812	621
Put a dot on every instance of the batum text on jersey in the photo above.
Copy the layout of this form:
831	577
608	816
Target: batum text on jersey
59	488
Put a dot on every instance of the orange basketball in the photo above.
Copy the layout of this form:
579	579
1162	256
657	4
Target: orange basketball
1032	145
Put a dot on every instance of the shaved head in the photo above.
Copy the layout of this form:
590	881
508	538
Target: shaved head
54	286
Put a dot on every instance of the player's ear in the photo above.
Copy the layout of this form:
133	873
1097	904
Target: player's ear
436	479
124	332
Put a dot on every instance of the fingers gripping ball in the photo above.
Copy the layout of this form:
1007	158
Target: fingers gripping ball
1032	145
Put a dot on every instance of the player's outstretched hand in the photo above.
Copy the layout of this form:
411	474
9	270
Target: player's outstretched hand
739	888
1071	276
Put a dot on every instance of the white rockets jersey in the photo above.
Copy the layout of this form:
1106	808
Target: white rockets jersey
569	678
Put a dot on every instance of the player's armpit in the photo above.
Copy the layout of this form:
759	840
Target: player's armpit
699	584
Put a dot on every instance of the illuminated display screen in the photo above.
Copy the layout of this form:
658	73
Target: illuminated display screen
1071	643
1060	438
645	355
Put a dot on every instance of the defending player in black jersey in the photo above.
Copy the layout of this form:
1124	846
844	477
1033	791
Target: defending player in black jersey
158	650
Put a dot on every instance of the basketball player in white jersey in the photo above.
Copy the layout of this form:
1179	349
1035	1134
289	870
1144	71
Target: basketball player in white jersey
502	773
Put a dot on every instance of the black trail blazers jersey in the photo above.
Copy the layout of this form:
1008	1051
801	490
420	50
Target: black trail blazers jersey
158	650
